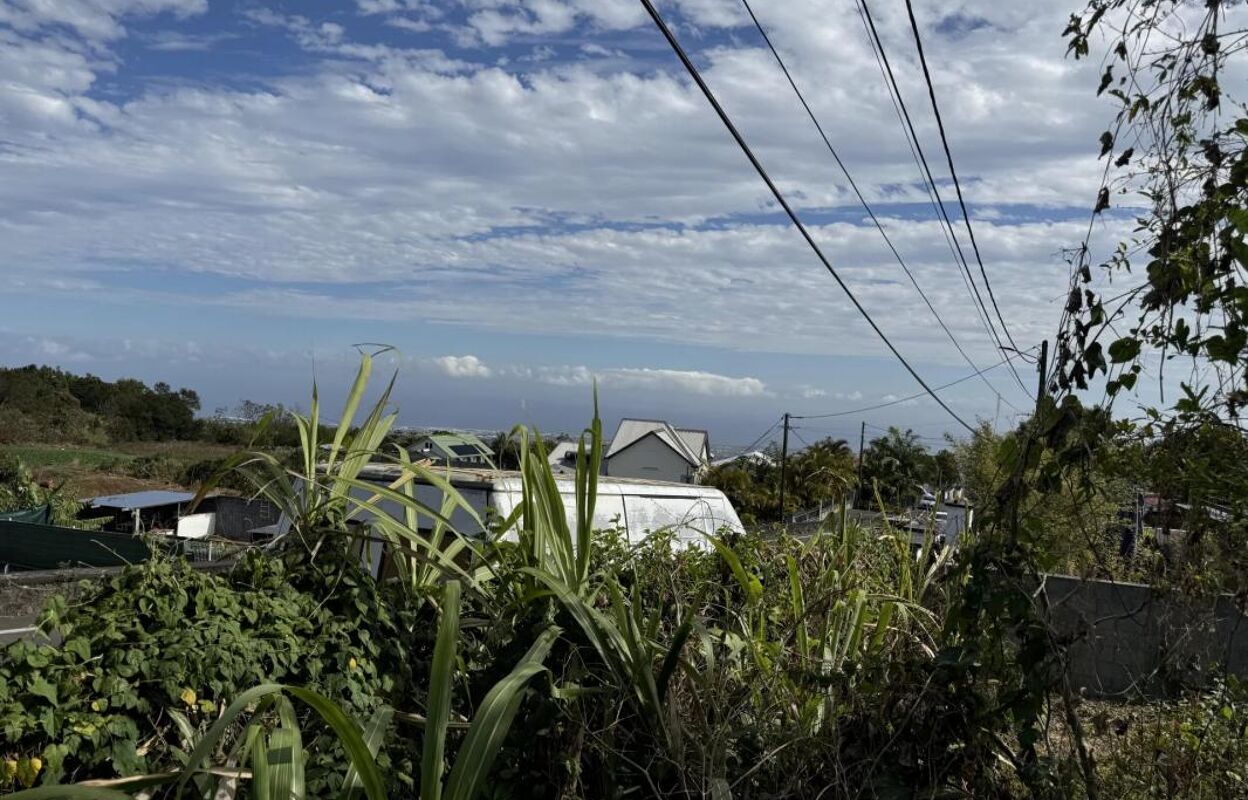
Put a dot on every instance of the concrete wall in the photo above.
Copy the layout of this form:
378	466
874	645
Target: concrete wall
651	459
1127	639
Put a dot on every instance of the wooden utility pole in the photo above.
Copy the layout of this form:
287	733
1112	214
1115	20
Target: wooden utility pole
862	444
784	462
1044	373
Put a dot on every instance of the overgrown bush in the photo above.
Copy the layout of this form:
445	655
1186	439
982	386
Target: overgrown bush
843	666
150	656
157	467
1195	748
20	491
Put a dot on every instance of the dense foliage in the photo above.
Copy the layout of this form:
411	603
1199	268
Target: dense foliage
819	475
150	657
846	665
47	404
19	492
898	463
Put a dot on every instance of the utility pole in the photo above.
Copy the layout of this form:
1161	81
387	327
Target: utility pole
1044	372
862	443
784	462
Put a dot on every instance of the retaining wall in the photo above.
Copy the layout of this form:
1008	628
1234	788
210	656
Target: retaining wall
1128	638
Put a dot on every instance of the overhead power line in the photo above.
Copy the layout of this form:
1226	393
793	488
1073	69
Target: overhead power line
908	398
930	181
953	173
762	173
764	435
863	201
933	195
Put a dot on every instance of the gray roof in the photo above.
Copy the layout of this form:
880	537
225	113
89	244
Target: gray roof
133	500
695	440
562	458
686	443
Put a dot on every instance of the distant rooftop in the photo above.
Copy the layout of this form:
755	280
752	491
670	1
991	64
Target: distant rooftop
688	443
133	500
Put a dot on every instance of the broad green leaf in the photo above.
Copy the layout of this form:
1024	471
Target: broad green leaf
441	680
493	720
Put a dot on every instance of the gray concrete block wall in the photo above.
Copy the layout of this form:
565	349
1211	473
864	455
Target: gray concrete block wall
238	515
1127	638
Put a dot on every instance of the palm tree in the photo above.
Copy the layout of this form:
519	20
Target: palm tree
895	462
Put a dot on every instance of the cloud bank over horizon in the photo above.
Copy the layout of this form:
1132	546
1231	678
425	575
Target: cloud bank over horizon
529	194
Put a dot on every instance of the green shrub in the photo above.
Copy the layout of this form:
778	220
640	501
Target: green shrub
1195	748
155	468
162	640
18	491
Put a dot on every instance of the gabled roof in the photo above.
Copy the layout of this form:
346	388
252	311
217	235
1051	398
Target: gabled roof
562	458
696	440
457	443
687	444
451	448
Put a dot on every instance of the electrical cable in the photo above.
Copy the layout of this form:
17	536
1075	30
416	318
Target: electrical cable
755	443
953	173
891	80
762	172
899	400
865	205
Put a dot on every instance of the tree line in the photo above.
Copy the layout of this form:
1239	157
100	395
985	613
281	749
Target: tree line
897	463
41	403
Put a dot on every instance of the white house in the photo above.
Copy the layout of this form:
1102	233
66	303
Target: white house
562	458
653	449
453	449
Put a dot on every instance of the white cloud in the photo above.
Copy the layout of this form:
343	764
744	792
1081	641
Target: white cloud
687	381
461	188
639	379
91	19
694	382
463	366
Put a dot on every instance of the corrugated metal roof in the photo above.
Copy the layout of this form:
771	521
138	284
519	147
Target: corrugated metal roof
133	500
695	440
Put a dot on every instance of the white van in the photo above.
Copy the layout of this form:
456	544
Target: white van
635	506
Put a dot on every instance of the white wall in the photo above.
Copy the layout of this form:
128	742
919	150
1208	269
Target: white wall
649	458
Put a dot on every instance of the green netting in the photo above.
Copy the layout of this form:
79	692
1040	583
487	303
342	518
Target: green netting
41	515
27	545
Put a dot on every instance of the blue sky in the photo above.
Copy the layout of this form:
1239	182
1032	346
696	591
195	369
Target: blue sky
523	196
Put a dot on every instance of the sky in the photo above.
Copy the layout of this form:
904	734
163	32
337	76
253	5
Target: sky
523	197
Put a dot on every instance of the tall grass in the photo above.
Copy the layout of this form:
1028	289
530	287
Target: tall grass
698	672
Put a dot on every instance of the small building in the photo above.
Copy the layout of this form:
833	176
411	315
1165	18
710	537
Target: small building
138	512
562	458
654	450
752	458
451	450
